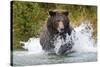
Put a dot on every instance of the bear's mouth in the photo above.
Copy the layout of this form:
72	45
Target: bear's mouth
60	30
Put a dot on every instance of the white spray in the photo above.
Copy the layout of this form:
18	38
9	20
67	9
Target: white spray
83	41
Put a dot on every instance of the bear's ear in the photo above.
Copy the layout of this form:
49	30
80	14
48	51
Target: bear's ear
66	13
51	13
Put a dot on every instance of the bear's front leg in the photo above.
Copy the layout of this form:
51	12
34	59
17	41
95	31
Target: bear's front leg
65	48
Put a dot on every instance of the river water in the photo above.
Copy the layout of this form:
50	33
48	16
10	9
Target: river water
22	58
84	50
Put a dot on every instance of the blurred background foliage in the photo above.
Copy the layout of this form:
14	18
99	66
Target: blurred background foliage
28	18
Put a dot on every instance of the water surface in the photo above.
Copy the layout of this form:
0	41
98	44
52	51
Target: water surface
23	58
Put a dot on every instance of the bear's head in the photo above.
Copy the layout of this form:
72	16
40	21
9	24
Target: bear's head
58	22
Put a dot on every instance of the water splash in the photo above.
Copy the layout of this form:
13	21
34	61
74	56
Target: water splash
32	45
82	38
84	41
62	42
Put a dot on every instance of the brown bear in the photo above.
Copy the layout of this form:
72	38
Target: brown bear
57	25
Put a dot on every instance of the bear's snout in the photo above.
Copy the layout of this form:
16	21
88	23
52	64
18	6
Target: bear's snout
60	27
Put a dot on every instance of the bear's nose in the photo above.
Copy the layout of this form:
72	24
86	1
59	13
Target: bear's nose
61	25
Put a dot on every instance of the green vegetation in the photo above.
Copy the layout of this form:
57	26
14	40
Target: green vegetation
28	18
